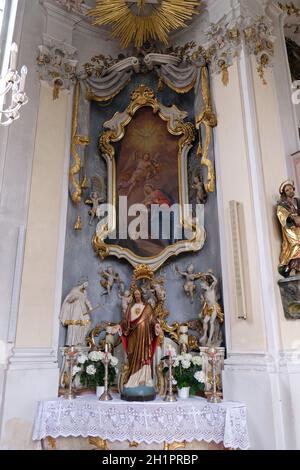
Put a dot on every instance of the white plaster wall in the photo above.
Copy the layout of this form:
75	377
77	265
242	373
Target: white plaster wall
234	183
34	328
290	385
253	387
24	389
16	158
91	41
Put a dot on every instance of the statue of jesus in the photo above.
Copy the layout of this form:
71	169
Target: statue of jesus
139	332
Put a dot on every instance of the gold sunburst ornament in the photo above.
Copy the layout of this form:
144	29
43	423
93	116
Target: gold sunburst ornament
142	21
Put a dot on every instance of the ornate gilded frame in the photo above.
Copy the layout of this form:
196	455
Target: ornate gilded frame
143	96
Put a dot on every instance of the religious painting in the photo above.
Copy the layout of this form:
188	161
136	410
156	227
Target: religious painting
146	148
147	172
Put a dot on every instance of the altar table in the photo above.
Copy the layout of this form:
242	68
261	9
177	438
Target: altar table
158	422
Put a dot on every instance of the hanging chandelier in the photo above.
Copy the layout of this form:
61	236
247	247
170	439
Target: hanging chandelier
12	90
142	20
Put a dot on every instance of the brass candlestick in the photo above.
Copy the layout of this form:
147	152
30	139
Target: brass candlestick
170	397
212	366
214	398
106	396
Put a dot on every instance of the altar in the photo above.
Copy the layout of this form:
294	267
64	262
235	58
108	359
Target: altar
156	422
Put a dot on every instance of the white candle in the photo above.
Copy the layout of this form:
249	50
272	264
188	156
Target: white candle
23	78
13	95
13	56
106	353
170	354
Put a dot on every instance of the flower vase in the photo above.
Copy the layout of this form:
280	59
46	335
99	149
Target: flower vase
99	390
184	393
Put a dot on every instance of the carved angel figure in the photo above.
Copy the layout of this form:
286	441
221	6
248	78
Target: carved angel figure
159	289
189	286
125	300
109	278
96	197
201	194
149	293
94	201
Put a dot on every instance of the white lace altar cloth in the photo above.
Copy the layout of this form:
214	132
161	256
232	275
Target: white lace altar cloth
151	422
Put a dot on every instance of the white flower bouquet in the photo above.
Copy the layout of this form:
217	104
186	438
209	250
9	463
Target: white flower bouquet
187	372
91	368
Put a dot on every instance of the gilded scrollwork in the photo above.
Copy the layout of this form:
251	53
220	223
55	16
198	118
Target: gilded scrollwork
209	120
174	446
142	96
98	65
260	43
98	242
289	8
105	143
77	140
100	444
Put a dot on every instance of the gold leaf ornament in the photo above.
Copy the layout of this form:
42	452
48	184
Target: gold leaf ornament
143	21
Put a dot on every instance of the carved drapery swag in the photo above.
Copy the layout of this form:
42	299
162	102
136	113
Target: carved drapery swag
104	78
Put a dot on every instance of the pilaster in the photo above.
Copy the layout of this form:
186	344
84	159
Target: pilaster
59	22
251	163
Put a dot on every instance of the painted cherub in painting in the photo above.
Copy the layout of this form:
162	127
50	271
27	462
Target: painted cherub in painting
145	170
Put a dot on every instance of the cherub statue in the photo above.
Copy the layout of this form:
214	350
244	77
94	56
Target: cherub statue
211	316
201	194
189	285
149	293
94	201
109	278
157	286
125	300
